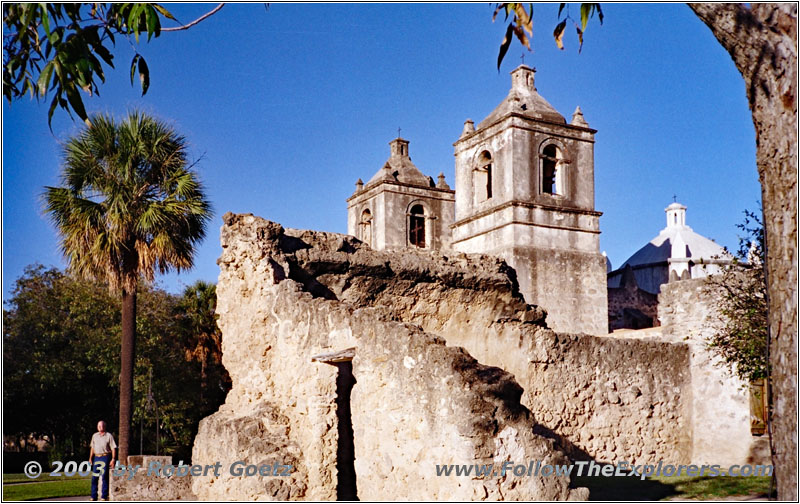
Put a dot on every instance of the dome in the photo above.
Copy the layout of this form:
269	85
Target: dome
677	248
677	237
524	100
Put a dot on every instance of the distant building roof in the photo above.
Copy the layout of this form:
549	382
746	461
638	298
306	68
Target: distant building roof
677	235
677	250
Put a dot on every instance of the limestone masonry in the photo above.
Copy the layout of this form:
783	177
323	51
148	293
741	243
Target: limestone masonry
300	334
358	368
465	326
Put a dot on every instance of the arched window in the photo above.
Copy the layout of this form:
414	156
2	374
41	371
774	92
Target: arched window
482	178
366	226
553	170
416	230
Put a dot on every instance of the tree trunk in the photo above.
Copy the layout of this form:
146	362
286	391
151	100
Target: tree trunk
762	41
127	358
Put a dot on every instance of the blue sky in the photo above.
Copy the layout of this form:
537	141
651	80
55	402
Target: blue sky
287	107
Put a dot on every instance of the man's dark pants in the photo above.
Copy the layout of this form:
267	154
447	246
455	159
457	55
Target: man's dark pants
105	471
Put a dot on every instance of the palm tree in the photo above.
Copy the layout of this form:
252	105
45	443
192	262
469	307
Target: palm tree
204	340
129	205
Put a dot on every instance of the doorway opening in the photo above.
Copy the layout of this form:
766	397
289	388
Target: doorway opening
345	451
346	489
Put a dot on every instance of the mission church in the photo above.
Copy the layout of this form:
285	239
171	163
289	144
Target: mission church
524	191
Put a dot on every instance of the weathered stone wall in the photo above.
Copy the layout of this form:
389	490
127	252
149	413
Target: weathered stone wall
148	487
569	285
720	400
286	296
613	399
416	402
576	386
630	307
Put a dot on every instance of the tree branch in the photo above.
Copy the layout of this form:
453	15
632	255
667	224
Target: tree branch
738	30
198	20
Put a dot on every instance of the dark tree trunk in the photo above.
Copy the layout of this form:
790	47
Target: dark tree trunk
762	41
127	358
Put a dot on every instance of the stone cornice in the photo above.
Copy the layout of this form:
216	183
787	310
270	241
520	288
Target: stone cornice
527	119
377	184
524	204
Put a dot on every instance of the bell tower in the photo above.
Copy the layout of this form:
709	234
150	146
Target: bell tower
400	207
525	192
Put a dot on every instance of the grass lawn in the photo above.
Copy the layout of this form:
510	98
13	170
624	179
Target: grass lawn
672	488
62	487
705	487
21	478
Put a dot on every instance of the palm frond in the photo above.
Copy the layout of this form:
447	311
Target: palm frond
130	205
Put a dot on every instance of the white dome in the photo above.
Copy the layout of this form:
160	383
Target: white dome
677	247
660	248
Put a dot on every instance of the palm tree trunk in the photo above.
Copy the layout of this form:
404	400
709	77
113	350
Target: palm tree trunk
127	356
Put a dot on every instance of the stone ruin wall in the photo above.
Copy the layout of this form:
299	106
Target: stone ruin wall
720	400
598	397
147	487
417	402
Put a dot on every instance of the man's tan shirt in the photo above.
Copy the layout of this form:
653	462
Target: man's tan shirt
103	443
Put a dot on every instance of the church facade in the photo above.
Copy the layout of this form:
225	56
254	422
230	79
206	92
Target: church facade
524	192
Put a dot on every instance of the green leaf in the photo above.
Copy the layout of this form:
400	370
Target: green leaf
44	78
133	21
505	45
101	51
53	105
144	75
83	73
558	34
76	102
153	24
164	12
55	36
28	87
599	13
586	10
45	19
561	8
133	66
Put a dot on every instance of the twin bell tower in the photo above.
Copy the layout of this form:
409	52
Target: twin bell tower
524	191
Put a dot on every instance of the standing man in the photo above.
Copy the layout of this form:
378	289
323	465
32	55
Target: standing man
103	449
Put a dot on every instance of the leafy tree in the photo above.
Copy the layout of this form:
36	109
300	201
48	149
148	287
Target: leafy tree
203	344
61	352
129	205
63	47
57	333
172	378
741	294
522	23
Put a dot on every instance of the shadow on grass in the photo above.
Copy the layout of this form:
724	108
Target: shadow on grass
677	487
623	488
